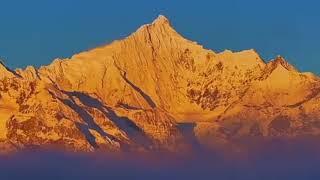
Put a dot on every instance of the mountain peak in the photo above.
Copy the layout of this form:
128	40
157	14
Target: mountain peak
141	92
279	60
161	20
159	30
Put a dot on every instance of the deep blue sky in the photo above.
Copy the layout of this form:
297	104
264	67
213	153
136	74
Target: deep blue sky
37	31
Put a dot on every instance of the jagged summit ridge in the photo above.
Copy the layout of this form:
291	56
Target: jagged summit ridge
135	93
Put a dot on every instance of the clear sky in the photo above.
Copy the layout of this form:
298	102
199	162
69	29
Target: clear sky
37	31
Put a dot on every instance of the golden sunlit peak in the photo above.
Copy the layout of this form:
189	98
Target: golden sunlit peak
160	21
161	18
155	80
279	60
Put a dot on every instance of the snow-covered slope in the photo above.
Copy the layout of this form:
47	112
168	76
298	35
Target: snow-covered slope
138	93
